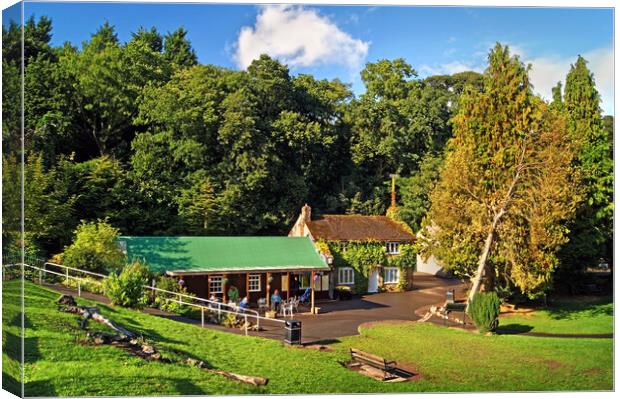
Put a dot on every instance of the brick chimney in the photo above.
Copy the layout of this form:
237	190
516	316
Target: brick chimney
306	213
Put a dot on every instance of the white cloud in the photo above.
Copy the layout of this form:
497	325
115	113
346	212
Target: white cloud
547	71
451	68
299	37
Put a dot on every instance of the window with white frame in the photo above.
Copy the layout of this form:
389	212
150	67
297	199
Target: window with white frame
392	248
254	283
215	285
391	275
342	245
345	275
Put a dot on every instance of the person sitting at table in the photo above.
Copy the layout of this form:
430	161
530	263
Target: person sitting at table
244	303
275	300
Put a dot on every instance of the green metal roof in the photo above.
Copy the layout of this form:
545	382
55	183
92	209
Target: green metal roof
220	254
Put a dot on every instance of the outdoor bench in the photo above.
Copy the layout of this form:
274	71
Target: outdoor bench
455	307
386	366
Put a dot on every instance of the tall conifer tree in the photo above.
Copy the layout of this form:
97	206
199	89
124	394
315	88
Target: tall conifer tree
592	231
506	187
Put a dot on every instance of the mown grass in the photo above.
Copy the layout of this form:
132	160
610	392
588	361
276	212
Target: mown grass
11	342
579	315
58	363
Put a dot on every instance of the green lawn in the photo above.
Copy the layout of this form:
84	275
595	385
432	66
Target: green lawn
580	315
58	364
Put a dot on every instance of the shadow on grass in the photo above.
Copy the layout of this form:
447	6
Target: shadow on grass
513	329
40	388
187	387
12	346
568	309
10	384
31	350
322	342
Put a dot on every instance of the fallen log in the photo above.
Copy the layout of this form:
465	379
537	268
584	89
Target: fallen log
88	312
135	344
248	379
238	377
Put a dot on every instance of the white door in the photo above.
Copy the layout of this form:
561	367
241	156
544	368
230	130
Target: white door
373	280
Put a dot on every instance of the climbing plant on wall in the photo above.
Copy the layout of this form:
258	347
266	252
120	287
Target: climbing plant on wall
406	263
362	256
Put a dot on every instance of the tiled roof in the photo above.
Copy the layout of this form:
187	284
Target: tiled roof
220	254
358	228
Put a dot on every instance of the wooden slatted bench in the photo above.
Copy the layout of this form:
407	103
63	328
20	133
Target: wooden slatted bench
375	361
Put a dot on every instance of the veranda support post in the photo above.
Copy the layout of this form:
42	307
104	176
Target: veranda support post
224	284
312	295
268	286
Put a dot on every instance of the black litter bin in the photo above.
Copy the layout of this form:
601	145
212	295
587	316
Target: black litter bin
292	332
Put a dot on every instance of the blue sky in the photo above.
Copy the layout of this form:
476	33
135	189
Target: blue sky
336	41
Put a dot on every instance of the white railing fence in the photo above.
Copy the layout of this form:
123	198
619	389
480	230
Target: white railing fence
83	279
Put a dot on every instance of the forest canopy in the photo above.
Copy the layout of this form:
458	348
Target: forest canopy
143	136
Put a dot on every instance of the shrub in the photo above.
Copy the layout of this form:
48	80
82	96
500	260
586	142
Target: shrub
89	284
95	248
170	284
484	311
230	320
127	288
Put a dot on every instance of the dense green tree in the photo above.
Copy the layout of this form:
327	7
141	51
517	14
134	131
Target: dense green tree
394	124
151	38
452	86
108	79
37	37
592	231
11	88
557	101
50	120
415	191
12	42
141	134
11	201
178	49
507	187
95	248
11	108
256	134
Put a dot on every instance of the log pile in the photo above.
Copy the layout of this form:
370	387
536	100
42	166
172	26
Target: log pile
134	343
